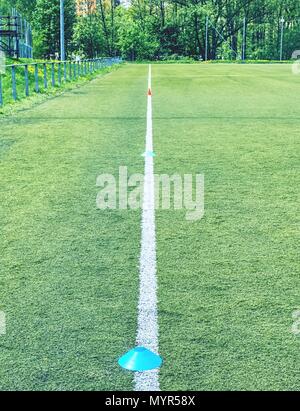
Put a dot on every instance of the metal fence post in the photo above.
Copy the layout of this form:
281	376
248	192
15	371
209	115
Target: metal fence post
26	80
13	80
244	40
45	76
65	71
281	38
36	78
206	37
1	93
70	70
59	74
52	75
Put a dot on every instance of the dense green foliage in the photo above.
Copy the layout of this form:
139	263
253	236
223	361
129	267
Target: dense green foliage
160	29
46	22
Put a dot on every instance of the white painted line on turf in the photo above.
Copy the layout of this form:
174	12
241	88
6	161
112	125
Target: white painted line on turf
147	334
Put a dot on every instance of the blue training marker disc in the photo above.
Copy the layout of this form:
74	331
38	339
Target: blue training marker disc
140	359
149	154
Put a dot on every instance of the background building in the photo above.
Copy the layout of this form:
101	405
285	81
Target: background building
85	7
125	3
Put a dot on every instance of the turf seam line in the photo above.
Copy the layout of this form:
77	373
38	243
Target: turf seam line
147	333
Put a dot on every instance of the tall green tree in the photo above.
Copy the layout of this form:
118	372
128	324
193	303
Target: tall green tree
88	37
46	23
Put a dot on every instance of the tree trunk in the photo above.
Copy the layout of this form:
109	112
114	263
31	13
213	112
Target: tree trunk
105	30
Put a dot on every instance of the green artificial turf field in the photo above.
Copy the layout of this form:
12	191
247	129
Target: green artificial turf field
228	284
